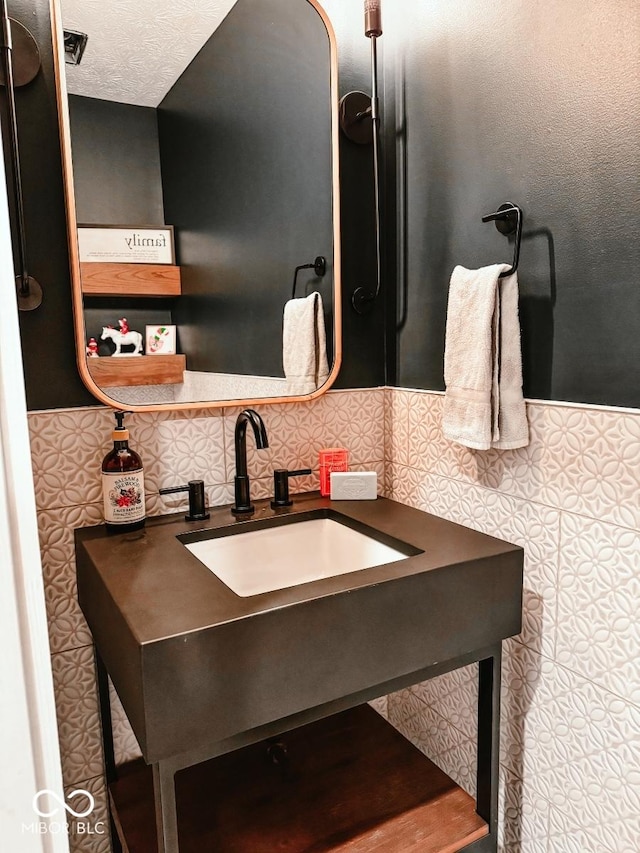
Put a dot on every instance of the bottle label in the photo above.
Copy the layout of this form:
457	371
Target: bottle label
123	495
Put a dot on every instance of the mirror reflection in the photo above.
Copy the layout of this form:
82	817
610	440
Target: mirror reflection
204	176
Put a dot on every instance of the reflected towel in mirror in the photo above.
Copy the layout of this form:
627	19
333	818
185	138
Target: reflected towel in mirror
484	406
304	345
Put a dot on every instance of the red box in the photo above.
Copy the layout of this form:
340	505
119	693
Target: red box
331	459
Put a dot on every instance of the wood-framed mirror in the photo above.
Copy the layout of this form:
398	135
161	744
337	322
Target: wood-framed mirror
200	158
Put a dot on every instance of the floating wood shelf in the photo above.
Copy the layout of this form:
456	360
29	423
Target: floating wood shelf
100	279
349	783
121	371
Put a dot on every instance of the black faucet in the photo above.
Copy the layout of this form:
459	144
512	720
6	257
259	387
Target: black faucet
243	505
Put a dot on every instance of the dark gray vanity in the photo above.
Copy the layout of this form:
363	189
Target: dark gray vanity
202	671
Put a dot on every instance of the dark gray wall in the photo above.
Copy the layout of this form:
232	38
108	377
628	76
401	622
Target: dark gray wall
116	163
245	143
538	104
117	181
48	346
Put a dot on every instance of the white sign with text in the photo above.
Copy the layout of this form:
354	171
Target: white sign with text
125	245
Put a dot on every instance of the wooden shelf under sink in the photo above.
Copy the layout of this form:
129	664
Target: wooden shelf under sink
351	783
119	372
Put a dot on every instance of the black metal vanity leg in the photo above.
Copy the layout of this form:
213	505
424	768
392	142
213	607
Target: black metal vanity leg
164	792
489	738
106	724
105	719
116	845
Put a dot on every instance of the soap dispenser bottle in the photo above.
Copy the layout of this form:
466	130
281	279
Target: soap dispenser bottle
122	483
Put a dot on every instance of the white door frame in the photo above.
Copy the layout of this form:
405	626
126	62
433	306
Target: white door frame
29	752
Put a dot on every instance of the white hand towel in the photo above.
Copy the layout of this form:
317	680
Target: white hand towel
304	345
484	406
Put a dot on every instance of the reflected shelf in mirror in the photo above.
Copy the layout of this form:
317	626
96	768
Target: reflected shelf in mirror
246	175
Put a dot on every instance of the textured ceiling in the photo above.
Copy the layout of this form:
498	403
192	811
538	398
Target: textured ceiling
137	49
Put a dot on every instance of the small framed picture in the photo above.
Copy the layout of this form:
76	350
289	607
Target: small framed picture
126	244
160	340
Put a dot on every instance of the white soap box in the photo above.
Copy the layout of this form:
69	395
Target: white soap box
354	485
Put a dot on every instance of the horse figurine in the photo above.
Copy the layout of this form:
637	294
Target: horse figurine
120	340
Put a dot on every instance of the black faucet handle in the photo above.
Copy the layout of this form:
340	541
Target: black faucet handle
197	508
281	485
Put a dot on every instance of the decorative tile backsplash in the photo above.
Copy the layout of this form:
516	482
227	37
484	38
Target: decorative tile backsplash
570	747
67	450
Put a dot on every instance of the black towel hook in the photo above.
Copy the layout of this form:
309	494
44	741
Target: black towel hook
319	266
508	219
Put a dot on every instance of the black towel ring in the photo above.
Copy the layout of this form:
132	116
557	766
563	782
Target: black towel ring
508	219
319	266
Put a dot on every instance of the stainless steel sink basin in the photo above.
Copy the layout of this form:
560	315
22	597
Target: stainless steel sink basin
253	558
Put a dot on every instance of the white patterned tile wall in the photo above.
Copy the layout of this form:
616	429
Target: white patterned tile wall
525	817
570	746
77	711
90	834
67	447
598	633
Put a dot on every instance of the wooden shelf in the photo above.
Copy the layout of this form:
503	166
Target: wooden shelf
351	783
100	279
119	371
